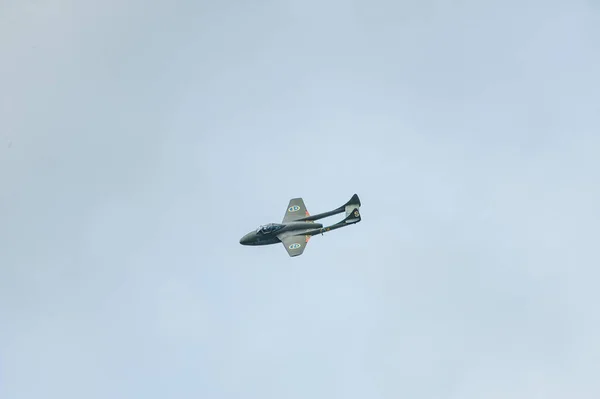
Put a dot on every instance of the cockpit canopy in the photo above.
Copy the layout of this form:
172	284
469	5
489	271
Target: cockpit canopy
269	228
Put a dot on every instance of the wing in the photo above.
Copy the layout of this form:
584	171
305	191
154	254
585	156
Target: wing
295	245
295	210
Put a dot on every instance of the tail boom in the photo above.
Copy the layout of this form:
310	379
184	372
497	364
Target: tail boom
348	207
353	218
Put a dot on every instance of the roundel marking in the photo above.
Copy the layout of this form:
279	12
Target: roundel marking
294	246
294	208
356	213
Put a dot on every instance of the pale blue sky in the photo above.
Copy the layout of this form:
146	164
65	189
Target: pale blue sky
140	140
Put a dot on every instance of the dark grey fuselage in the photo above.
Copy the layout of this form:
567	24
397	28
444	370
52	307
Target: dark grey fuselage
292	228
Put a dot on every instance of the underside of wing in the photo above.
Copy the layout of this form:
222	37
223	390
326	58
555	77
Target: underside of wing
295	245
295	210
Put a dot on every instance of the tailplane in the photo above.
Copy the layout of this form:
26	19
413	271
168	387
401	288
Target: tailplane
351	206
352	216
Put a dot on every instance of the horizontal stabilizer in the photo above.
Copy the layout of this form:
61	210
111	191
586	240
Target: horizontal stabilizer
351	205
353	215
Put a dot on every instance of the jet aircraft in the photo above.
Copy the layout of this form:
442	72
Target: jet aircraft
298	226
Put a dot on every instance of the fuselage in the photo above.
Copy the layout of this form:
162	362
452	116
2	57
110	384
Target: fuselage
267	235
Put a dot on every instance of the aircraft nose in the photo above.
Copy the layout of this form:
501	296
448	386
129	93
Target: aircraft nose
244	240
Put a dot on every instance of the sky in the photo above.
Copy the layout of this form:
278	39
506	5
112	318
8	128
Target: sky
140	140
